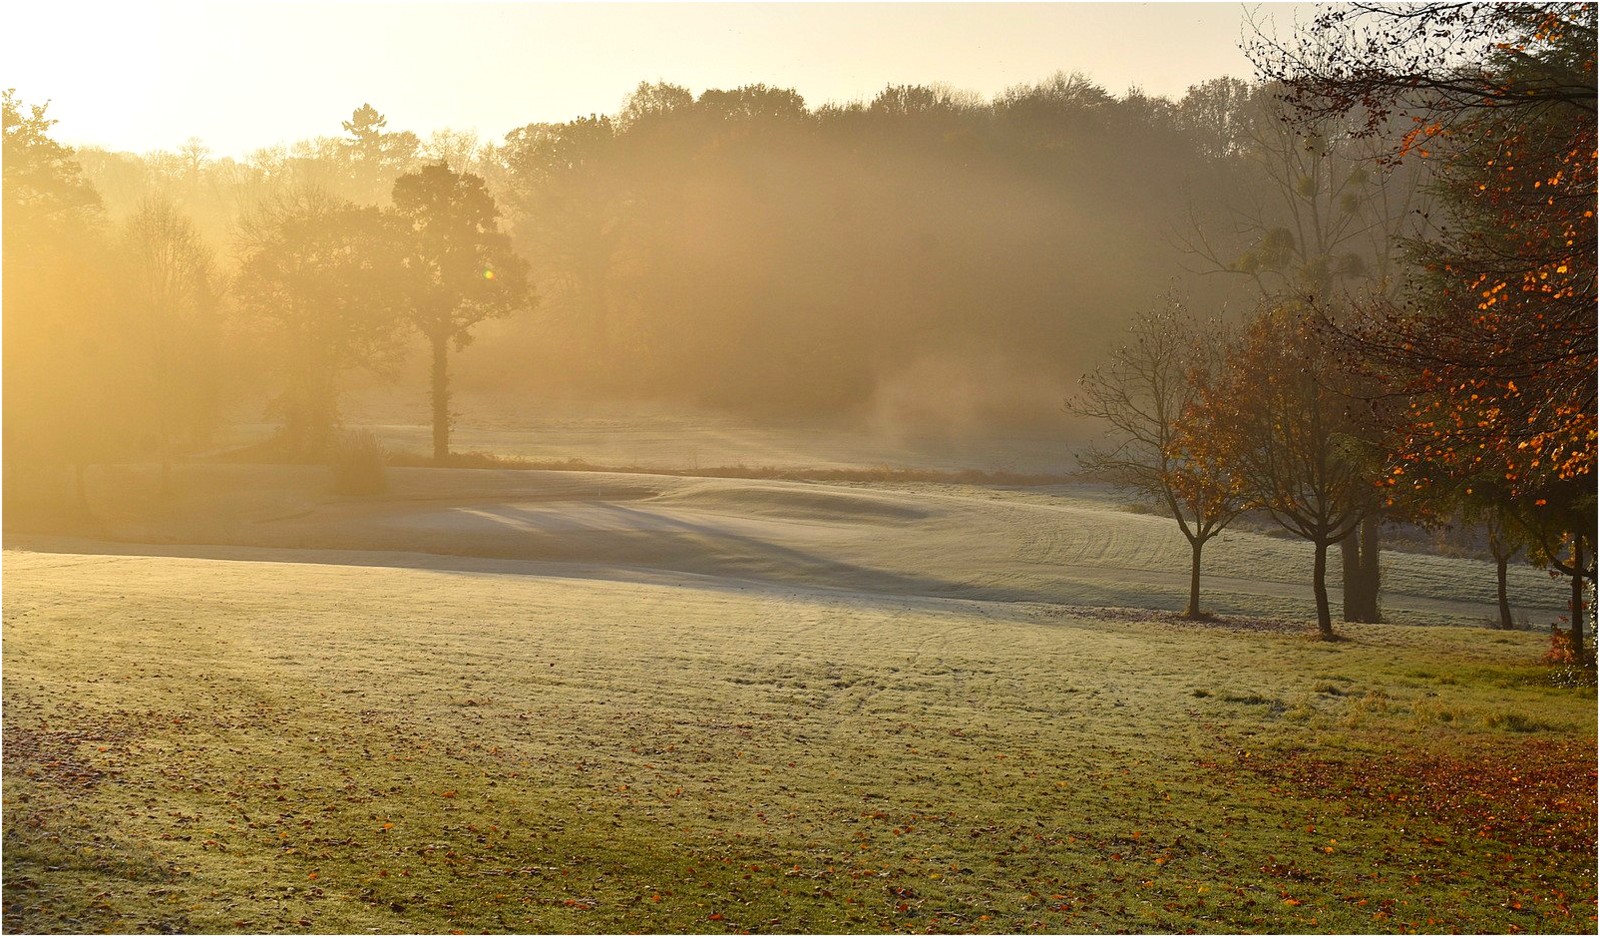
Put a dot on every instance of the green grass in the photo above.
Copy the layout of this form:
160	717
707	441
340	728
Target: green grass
203	745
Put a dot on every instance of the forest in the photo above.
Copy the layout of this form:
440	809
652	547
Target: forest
739	248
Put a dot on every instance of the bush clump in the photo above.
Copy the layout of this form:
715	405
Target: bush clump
358	465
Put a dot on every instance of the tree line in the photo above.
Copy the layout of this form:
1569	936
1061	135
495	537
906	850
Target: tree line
116	331
737	249
1424	344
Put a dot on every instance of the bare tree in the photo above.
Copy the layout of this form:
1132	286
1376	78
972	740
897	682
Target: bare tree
459	149
1142	394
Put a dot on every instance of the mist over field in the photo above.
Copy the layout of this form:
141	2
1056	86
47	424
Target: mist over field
1052	508
924	258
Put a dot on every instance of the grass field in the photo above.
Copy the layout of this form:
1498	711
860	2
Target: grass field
500	701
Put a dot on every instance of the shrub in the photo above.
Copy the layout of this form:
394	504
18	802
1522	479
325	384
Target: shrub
1571	668
1561	650
358	465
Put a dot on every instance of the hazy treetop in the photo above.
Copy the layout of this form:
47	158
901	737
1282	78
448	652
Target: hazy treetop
247	75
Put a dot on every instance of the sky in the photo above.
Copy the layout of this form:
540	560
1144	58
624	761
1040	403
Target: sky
142	76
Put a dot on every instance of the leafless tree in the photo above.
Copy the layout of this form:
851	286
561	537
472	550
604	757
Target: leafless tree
1141	394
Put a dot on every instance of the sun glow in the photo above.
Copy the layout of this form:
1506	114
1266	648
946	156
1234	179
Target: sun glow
470	66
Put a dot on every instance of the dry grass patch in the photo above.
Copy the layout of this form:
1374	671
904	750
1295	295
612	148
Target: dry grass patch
201	745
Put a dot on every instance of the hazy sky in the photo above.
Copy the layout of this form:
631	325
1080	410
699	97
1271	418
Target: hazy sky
141	76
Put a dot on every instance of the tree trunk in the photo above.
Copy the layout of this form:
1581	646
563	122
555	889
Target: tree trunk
1350	572
1370	575
1577	598
1359	553
1500	563
441	399
1195	546
1319	586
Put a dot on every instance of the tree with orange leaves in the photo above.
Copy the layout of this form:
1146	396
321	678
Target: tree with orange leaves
1277	416
1491	355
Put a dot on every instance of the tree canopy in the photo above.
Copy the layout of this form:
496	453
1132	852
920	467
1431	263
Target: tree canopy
461	269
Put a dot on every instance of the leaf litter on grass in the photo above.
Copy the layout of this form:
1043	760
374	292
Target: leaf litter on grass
724	761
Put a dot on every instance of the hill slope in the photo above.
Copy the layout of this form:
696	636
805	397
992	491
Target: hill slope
1068	545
